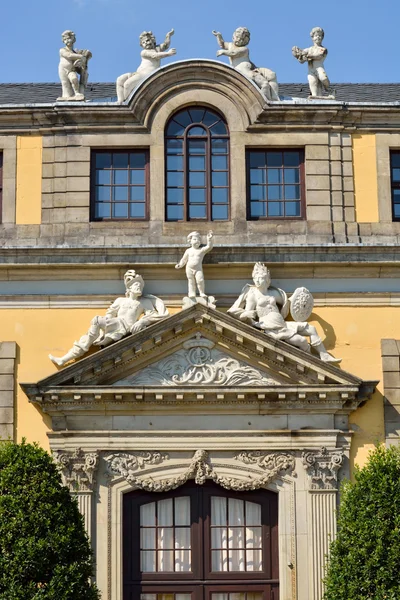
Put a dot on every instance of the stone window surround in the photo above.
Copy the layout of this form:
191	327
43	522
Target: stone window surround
8	147
385	142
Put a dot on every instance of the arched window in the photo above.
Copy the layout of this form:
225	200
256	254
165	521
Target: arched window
197	166
200	543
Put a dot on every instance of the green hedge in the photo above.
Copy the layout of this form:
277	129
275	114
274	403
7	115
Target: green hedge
44	550
365	557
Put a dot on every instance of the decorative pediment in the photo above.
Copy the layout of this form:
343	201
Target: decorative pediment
202	357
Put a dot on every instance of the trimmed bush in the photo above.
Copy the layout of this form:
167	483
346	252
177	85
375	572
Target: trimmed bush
44	549
364	559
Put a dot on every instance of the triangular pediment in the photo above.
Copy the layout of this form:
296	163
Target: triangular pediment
200	353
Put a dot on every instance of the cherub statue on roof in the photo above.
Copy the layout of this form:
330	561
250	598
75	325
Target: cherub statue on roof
193	261
315	56
151	60
73	68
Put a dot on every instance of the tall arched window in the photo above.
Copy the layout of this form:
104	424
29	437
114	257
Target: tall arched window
200	543
197	166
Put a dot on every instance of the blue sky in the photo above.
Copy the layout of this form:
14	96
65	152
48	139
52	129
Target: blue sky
362	37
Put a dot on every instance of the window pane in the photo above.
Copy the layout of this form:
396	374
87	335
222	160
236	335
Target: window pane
254	560
174	178
219	212
292	209
103	160
137	211
174	195
197	195
148	561
396	174
165	560
165	537
258	176
253	513
292	192
175	163
258	209
137	177
120	193
236	537
148	514
395	159
257	159
219	560
137	193
236	560
197	114
164	512
197	163
396	195
103	194
293	175
219	538
218	511
120	211
174	146
275	209
291	159
219	129
197	179
197	211
274	192
120	160
103	177
219	163
258	192
220	195
183	118
103	211
235	512
219	146
197	146
121	177
175	213
183	561
182	538
174	129
182	511
220	178
253	537
274	175
274	159
396	211
147	538
195	131
137	160
210	118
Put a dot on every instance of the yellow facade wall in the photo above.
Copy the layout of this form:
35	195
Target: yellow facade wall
365	178
29	180
353	333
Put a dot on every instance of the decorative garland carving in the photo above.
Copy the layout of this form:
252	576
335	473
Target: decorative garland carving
201	470
323	467
126	463
78	469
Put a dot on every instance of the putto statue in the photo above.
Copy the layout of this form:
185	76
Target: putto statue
193	260
315	57
266	308
239	58
122	318
151	59
73	68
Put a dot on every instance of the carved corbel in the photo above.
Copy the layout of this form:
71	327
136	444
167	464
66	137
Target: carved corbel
323	467
78	469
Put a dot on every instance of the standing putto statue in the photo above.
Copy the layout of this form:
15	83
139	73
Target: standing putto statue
267	307
315	57
73	68
151	60
121	319
193	260
239	58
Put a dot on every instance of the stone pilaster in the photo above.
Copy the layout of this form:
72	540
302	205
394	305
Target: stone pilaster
8	353
322	468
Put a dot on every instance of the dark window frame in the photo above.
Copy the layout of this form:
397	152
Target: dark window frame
130	150
302	184
201	576
394	185
208	172
1	187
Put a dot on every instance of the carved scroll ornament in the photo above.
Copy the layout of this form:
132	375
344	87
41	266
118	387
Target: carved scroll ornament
201	470
323	467
78	469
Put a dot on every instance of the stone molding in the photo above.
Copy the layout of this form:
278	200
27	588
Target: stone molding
78	469
8	354
200	469
323	467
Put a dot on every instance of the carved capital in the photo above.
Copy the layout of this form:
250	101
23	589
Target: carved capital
78	469
322	467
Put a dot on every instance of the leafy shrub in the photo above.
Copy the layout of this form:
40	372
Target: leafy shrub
364	559
44	549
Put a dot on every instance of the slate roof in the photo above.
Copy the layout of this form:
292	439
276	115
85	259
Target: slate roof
37	93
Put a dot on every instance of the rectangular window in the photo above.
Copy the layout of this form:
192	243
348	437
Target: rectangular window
119	185
275	184
395	181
